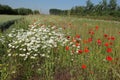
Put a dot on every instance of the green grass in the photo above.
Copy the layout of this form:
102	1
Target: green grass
62	64
107	18
5	18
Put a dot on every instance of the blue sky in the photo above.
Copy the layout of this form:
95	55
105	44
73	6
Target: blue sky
45	5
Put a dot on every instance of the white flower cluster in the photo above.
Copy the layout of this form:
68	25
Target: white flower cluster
2	39
36	41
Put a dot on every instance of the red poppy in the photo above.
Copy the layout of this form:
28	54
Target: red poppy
68	37
106	44
89	39
99	42
77	36
77	44
96	27
80	51
105	35
112	38
91	32
109	38
85	41
109	50
111	43
86	50
67	48
109	58
83	66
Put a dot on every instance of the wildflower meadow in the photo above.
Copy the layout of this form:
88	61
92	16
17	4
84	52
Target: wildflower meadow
47	47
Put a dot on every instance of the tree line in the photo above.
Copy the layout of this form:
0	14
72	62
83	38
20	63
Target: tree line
104	8
5	9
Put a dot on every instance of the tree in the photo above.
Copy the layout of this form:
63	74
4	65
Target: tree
89	5
56	11
102	8
72	11
113	4
118	8
36	12
5	9
78	10
98	9
23	11
104	4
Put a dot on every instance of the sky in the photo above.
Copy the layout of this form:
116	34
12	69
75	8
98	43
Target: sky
44	5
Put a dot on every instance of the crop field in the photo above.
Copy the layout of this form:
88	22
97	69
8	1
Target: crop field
47	47
5	18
